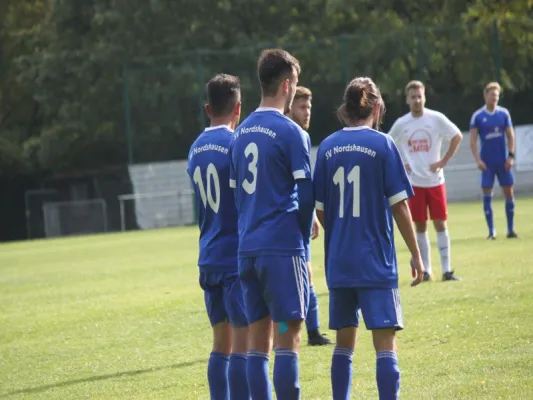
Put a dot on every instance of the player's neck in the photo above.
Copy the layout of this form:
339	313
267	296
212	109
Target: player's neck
490	107
222	122
365	122
417	114
273	102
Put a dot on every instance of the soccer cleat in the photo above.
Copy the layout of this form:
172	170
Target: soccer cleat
512	235
315	338
492	235
449	276
427	277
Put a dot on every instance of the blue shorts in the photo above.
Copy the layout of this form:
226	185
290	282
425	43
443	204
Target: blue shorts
381	308
505	177
223	298
275	285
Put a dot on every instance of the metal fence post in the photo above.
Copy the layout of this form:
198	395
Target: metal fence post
127	111
200	79
419	55
497	55
345	58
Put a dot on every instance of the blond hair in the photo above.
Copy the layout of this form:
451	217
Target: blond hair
414	85
492	86
303	93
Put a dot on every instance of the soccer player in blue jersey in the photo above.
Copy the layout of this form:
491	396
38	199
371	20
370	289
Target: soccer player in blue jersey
274	195
492	124
360	186
208	167
301	114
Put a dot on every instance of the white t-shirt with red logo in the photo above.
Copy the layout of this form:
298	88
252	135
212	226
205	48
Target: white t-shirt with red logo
419	140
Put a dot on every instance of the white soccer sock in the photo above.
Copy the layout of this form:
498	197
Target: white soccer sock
425	251
443	243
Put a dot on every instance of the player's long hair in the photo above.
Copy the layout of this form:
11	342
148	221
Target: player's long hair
360	98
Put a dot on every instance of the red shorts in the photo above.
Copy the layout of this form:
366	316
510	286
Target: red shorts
433	198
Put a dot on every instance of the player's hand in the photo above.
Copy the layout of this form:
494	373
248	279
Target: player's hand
436	167
315	230
509	163
417	271
407	168
481	165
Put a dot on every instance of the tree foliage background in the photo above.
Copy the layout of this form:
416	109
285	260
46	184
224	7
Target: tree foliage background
72	70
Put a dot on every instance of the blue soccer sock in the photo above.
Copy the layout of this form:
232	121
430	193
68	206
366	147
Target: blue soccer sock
257	373
487	208
238	383
388	375
217	376
509	211
311	321
286	374
341	373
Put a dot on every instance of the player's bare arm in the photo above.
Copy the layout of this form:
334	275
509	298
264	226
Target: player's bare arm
473	148
320	217
402	216
509	132
452	149
315	230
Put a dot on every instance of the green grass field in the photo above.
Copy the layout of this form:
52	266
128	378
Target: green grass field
121	316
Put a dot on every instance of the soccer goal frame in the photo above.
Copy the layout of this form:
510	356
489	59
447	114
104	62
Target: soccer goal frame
178	194
53	224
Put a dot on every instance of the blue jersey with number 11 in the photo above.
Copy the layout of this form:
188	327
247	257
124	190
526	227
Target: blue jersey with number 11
358	175
208	168
269	154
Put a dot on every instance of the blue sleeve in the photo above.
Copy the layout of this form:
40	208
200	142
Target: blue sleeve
508	120
396	182
189	169
305	208
473	121
232	175
318	180
189	161
299	153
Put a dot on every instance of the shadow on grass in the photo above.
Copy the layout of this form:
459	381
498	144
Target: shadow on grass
97	378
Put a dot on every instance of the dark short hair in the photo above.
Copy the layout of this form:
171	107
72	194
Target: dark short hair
223	92
273	66
303	93
360	98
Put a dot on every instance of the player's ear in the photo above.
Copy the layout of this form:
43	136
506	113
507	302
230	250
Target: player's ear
237	109
286	84
208	110
375	111
375	116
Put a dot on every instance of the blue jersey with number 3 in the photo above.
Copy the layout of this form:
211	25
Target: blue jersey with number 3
358	175
269	154
491	128
208	167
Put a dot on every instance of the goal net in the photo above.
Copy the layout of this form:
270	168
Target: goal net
157	209
78	217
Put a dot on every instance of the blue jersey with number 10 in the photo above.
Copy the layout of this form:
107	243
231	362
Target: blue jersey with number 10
358	175
208	167
269	154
